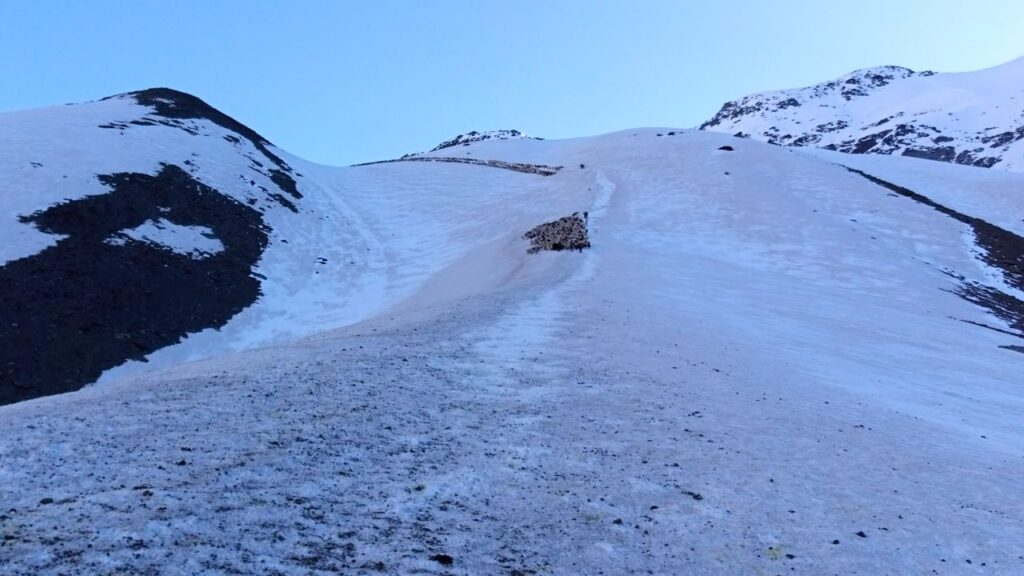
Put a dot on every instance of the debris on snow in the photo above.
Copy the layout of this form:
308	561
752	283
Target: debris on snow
568	233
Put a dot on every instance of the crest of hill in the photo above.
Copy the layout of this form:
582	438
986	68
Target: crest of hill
477	136
973	118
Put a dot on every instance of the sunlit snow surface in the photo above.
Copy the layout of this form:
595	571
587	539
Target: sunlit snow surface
759	367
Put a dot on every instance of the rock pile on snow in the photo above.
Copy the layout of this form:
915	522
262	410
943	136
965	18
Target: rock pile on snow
568	233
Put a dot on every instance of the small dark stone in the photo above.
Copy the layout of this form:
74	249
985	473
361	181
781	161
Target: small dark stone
835	541
727	148
180	463
443	559
46	501
862	534
617	521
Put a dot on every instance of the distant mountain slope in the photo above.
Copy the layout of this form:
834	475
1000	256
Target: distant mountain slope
974	118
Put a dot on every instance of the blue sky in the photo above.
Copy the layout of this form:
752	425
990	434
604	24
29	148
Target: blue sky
342	82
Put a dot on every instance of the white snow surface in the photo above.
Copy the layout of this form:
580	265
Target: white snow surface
758	368
193	241
979	112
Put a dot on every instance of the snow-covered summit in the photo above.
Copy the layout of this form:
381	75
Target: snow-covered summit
476	136
974	118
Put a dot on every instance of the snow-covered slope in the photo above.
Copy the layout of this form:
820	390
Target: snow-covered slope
150	227
769	360
974	118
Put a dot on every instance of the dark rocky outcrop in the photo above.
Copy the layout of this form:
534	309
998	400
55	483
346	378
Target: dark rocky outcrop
568	233
173	108
90	302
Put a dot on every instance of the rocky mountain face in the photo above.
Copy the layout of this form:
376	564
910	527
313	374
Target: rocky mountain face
974	118
125	239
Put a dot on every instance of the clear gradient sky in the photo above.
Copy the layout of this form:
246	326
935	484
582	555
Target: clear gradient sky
340	82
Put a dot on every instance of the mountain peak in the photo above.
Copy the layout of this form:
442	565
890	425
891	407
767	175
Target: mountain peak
475	136
972	118
177	105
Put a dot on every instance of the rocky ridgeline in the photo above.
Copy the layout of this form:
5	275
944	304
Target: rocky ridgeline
540	169
568	233
854	85
474	136
894	111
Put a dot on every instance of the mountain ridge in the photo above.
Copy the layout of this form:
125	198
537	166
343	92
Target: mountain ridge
973	118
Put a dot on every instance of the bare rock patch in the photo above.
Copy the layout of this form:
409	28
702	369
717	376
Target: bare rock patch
567	233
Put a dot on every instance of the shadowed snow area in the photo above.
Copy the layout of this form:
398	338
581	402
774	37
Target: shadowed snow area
761	365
